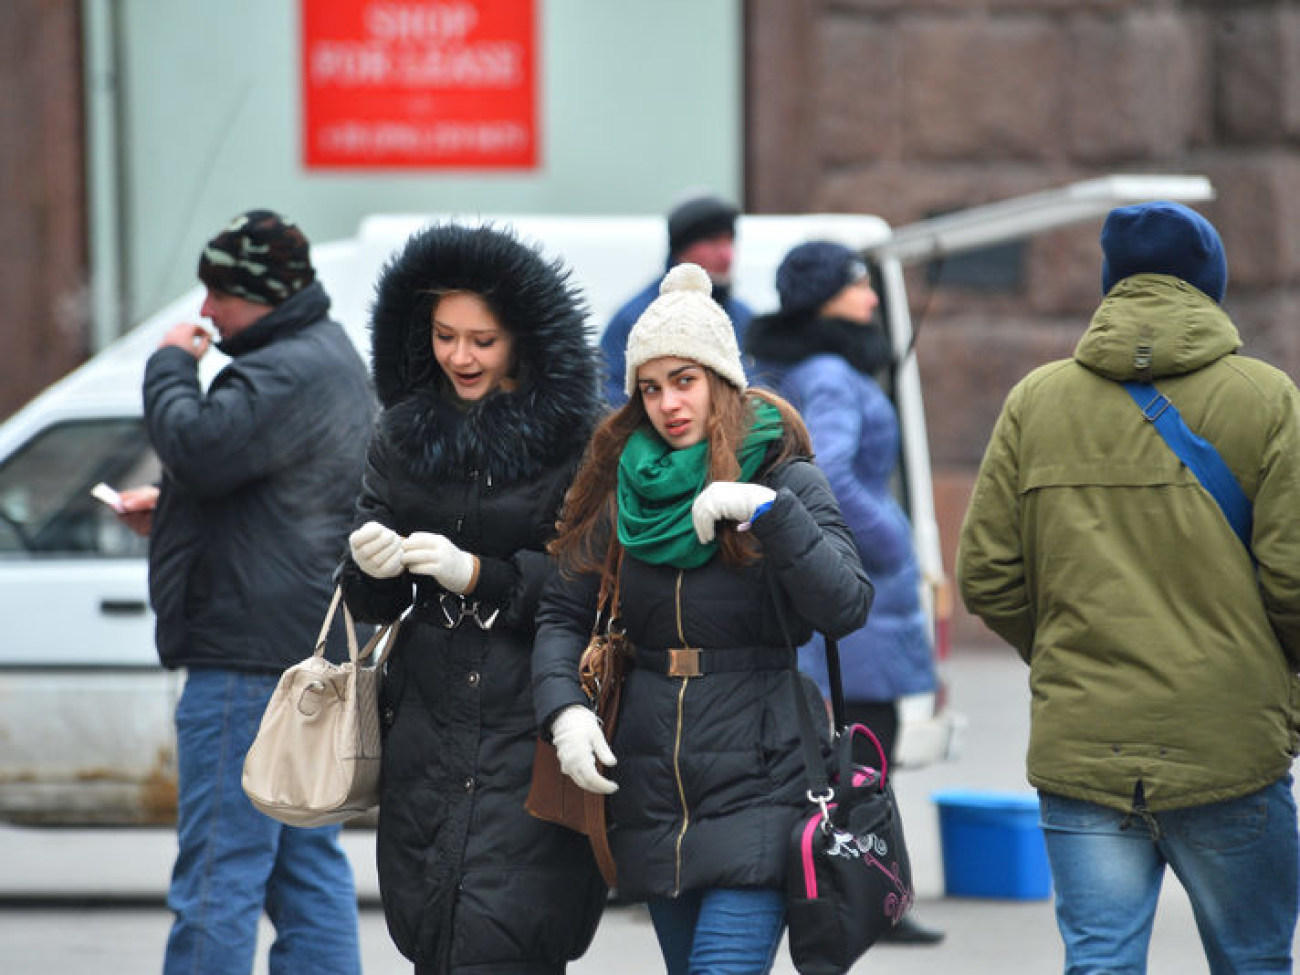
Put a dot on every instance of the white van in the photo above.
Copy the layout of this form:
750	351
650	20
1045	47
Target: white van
85	710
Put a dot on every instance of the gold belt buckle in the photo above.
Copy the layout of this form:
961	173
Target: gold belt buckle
684	662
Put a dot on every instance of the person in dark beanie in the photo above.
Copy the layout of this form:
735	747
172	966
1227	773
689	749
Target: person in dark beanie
259	476
260	257
1157	606
702	231
824	350
1163	238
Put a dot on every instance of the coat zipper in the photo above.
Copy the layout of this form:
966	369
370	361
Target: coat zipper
470	486
677	753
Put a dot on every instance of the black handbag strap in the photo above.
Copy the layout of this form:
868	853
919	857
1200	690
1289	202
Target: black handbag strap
819	786
836	682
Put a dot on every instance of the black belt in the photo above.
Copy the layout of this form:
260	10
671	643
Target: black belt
696	661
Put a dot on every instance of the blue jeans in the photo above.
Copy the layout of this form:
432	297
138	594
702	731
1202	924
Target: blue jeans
1237	860
724	931
234	863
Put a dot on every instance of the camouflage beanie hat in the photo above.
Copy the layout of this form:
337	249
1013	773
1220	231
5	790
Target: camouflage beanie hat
259	256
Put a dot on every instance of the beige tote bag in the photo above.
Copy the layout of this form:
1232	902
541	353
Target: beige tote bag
315	760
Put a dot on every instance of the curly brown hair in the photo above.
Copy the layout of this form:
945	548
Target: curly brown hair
591	506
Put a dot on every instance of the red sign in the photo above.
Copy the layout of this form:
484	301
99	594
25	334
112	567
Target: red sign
391	84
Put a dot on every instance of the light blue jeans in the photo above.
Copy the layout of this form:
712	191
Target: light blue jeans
1237	860
724	931
234	863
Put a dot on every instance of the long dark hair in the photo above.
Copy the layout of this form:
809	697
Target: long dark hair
591	506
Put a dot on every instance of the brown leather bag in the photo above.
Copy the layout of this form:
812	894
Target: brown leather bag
553	796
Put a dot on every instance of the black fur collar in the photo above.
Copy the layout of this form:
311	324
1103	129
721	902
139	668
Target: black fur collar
514	434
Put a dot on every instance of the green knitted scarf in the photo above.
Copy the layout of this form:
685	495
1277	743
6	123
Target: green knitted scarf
657	486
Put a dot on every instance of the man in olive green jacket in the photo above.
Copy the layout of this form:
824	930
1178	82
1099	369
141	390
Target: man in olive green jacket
1161	649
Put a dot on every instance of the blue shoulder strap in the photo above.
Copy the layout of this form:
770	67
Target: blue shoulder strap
1198	454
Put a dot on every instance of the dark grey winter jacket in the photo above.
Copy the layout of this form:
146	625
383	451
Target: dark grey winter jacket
260	475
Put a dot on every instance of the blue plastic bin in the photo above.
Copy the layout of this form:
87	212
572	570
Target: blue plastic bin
992	845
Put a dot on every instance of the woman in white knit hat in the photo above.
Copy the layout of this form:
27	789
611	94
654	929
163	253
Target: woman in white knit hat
707	491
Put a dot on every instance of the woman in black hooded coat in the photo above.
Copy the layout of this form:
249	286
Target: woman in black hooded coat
488	384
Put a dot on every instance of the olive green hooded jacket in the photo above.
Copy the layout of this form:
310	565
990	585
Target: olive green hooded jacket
1159	653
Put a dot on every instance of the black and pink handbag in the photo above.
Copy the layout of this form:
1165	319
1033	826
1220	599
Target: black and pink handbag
848	877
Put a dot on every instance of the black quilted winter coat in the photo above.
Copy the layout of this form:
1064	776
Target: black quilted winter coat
711	778
470	882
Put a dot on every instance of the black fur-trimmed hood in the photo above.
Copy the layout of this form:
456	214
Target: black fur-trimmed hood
511	434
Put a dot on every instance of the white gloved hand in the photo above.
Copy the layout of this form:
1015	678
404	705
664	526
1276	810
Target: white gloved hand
579	744
377	550
427	554
726	500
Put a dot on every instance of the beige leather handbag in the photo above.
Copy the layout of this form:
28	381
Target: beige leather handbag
315	760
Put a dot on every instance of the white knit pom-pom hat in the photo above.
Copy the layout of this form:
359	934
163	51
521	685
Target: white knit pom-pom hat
686	322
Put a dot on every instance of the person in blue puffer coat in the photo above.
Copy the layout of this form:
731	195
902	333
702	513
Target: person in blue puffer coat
822	351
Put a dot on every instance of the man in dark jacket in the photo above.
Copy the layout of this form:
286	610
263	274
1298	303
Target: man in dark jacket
701	230
260	473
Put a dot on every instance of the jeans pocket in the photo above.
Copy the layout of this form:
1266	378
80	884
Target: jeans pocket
1221	826
1064	813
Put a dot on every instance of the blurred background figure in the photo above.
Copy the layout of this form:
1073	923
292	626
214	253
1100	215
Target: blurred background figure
701	230
823	350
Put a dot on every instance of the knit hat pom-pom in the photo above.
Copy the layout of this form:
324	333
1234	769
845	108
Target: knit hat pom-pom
686	277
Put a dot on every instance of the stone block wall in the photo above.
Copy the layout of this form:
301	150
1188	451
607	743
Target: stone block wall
908	108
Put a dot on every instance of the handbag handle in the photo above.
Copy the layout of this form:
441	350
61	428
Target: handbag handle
846	756
388	630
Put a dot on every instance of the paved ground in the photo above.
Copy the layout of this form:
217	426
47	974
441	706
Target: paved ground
77	902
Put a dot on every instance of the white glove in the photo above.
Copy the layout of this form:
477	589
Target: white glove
579	744
433	555
377	550
726	500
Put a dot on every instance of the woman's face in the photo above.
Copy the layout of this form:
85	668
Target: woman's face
470	345
855	302
675	394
